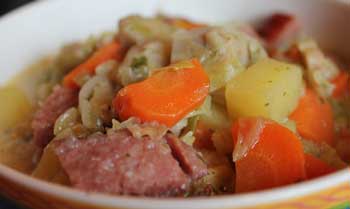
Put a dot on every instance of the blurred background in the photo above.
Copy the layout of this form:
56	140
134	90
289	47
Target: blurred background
6	6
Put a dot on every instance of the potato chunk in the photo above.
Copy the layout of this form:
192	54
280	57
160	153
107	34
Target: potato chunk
14	106
268	88
49	167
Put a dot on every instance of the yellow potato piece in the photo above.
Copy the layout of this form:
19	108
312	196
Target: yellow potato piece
48	165
14	106
17	152
269	88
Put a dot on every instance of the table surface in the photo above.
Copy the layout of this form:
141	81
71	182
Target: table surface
8	204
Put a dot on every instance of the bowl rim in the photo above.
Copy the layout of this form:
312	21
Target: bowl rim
278	194
269	196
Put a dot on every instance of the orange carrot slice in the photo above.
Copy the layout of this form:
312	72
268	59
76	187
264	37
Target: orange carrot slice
315	167
185	24
105	53
276	159
314	118
167	96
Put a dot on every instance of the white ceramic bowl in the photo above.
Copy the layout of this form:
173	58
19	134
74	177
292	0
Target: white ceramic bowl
40	28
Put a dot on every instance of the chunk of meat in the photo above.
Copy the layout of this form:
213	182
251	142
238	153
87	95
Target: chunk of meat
187	157
119	163
54	105
279	28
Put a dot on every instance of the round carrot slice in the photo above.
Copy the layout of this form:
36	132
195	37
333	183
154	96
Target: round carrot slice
105	53
167	96
314	118
276	159
316	167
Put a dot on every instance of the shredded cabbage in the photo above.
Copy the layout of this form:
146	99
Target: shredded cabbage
95	97
320	70
188	138
152	129
66	120
324	152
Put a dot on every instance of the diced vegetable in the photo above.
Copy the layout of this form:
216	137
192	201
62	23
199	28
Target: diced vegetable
184	23
179	126
231	39
248	135
220	176
341	115
320	70
188	138
153	130
213	128
269	88
16	149
222	141
224	51
188	44
324	152
216	117
48	166
61	178
140	60
291	125
221	68
277	158
66	120
203	134
314	118
138	30
95	98
167	96
108	52
341	84
230	52
71	55
315	167
14	106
